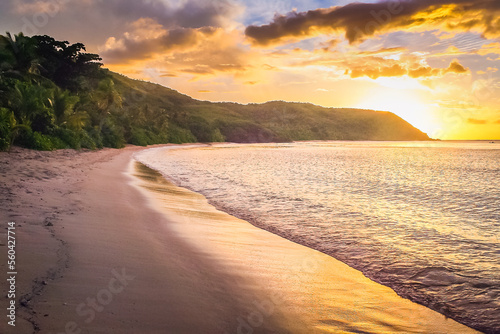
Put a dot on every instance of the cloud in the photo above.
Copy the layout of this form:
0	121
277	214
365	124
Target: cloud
94	21
383	51
397	70
198	70
489	49
168	75
374	73
330	45
51	7
178	52
220	54
383	62
148	38
187	14
361	20
450	51
191	36
455	67
477	121
269	67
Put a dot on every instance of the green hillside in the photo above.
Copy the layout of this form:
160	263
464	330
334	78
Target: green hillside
271	121
55	95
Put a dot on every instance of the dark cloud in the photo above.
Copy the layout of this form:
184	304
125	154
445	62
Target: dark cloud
93	21
191	14
132	47
361	20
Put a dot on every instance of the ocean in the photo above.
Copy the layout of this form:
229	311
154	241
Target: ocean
420	217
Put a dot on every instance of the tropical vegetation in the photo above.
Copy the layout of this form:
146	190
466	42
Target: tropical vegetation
54	95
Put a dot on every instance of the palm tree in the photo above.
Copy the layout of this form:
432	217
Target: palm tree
10	129
30	104
77	120
7	123
62	104
108	99
18	55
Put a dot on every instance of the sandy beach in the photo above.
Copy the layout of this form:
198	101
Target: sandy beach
106	245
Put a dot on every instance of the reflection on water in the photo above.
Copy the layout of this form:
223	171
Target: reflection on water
421	218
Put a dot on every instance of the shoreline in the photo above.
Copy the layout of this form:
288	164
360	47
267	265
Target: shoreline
96	254
107	261
437	303
293	268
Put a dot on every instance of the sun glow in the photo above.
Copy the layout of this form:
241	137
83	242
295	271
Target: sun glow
403	103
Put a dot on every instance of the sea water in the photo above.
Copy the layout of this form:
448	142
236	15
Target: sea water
422	218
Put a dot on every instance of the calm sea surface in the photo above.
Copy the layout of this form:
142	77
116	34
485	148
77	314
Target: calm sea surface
422	218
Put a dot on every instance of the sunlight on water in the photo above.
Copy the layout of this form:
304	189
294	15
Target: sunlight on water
423	218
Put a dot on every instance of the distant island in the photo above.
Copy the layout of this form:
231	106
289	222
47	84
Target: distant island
55	95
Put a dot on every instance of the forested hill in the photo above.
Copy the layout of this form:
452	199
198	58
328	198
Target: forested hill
55	95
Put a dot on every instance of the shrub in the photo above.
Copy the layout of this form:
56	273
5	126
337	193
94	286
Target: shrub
217	136
7	123
139	137
178	135
86	141
71	138
39	141
112	135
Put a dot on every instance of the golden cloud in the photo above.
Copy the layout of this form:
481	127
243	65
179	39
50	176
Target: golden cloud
200	52
383	51
490	48
397	70
450	51
384	62
477	121
361	20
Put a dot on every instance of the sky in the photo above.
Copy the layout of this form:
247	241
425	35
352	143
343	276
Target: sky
434	63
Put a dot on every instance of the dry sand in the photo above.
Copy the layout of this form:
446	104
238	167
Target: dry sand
102	251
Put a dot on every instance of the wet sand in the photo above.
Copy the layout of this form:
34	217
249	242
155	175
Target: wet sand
105	245
315	292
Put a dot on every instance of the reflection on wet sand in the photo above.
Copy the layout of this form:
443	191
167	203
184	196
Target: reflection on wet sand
304	290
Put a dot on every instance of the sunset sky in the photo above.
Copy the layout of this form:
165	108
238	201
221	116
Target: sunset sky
435	63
